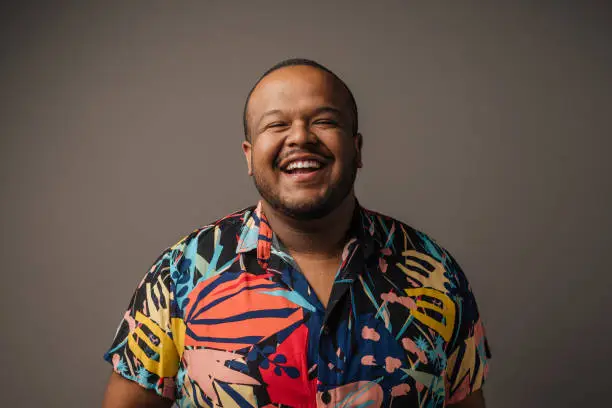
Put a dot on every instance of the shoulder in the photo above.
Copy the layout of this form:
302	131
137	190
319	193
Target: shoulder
223	228
202	254
199	246
414	250
401	237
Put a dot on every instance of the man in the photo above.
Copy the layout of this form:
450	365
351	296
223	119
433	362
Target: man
307	299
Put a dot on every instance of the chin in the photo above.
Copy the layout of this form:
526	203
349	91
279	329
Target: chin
311	209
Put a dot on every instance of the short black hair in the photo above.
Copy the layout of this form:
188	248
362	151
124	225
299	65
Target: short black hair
296	62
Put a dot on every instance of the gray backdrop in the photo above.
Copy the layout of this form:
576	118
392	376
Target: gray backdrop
487	126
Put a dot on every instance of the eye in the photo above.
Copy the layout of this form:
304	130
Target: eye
277	125
326	122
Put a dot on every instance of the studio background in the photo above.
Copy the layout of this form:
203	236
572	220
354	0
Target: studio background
486	125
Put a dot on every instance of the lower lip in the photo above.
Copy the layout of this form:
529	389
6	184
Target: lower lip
304	176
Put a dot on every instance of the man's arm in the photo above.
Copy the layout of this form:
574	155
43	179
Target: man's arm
123	393
474	400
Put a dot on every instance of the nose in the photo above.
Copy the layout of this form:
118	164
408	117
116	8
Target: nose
300	135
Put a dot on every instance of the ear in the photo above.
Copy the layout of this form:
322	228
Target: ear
358	140
247	149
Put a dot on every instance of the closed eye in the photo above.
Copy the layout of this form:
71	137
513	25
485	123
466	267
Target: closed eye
328	122
277	125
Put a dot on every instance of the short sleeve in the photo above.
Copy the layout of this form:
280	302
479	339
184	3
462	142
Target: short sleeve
468	353
148	344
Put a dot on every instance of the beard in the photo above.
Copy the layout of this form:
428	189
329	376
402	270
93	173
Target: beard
315	208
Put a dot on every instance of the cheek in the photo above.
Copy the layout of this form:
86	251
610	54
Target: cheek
265	151
343	150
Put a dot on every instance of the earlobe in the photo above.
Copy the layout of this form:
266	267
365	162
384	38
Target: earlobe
246	148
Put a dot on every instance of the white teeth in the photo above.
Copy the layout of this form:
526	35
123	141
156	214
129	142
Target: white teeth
303	164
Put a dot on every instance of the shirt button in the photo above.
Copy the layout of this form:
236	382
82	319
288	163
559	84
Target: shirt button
325	330
326	397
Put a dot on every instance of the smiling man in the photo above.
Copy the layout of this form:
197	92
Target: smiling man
306	299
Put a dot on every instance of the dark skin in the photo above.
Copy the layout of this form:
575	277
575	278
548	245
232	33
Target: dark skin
302	109
299	109
123	393
318	262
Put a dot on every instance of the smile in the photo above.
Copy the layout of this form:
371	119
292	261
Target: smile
304	170
303	166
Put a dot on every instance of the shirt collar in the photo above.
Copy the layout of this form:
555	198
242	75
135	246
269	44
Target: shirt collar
249	232
256	232
366	229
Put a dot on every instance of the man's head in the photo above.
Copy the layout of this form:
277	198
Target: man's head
302	145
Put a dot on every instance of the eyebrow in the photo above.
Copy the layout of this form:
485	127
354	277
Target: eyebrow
318	111
327	109
268	113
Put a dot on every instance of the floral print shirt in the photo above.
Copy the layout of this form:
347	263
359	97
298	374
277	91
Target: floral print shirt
224	318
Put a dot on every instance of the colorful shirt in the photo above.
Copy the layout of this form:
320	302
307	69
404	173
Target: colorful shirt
225	318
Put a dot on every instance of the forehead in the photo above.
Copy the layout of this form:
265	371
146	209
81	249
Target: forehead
295	88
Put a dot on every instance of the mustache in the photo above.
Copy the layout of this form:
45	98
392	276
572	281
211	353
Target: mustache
284	154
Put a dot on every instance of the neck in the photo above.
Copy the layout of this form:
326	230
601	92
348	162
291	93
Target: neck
323	237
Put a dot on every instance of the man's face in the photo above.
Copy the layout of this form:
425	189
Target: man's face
302	154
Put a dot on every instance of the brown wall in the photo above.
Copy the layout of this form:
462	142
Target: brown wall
486	126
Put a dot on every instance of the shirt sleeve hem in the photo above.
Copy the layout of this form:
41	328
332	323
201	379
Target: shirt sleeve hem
146	385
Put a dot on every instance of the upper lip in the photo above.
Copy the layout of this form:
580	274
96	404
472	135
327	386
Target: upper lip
300	157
